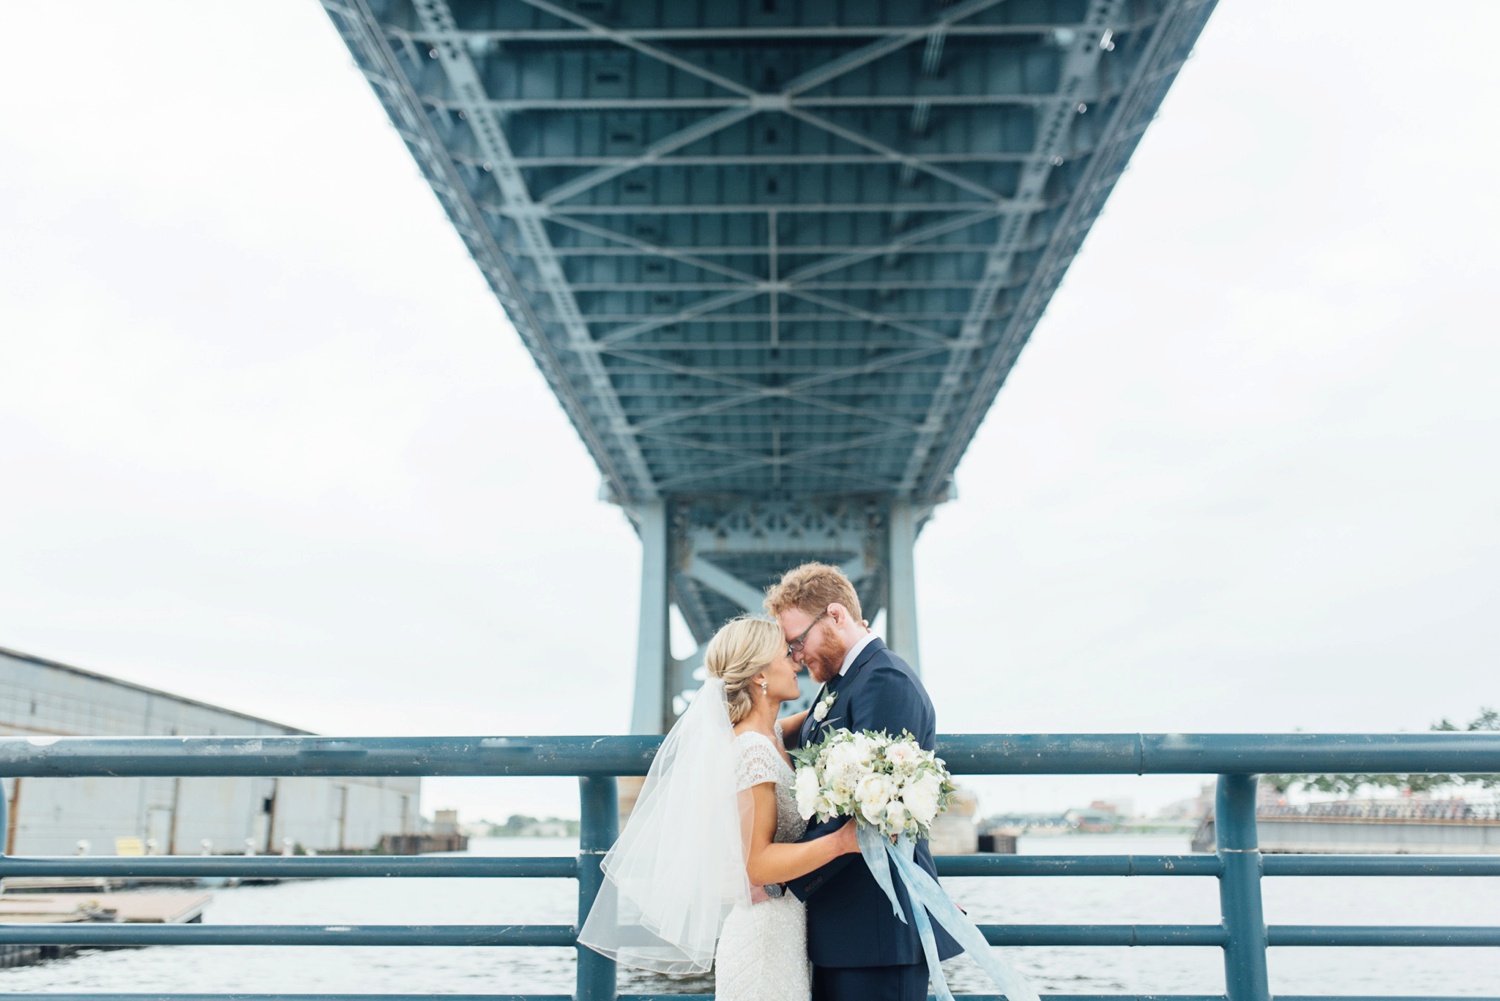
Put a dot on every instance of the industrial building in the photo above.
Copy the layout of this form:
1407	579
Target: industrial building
42	698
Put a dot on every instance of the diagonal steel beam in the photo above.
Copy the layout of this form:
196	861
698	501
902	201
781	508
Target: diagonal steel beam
885	415
902	243
681	316
715	375
698	130
651	249
1052	132
753	100
872	483
746	459
630	41
1164	54
883	47
716	578
896	156
362	30
755	391
797	385
873	318
464	78
746	455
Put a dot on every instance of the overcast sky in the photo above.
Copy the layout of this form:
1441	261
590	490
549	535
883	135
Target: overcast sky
267	440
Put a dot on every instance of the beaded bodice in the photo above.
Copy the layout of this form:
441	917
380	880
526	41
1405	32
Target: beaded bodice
760	761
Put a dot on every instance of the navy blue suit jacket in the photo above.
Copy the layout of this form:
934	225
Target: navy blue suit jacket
849	918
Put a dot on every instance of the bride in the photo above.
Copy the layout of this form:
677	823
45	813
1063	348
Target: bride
696	878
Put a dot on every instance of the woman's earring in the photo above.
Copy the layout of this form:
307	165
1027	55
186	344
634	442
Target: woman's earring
762	686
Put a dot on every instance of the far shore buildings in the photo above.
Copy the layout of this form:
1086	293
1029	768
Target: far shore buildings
183	816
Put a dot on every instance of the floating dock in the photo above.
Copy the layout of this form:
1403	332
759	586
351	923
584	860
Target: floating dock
111	908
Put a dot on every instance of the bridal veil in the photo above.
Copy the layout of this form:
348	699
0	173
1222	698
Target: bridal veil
678	868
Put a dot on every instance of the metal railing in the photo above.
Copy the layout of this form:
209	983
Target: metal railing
1237	864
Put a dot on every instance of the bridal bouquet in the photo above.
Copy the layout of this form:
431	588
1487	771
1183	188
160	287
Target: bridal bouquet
888	783
893	789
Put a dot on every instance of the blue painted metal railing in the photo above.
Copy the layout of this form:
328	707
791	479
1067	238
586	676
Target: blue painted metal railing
596	761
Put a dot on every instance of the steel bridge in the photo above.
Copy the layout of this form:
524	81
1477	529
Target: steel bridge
774	257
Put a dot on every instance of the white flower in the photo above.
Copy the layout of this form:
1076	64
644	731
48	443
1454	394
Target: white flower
903	754
897	815
873	794
820	711
842	766
921	798
807	791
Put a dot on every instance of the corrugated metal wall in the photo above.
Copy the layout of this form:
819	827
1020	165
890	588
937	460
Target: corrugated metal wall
52	816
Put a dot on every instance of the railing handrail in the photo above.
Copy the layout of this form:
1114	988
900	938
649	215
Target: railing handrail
611	755
1237	865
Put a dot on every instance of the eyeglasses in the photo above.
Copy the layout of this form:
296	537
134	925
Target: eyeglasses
795	646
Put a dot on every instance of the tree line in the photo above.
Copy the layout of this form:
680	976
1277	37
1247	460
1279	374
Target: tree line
1488	719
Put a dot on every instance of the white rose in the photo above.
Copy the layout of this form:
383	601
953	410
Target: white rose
807	791
842	767
921	798
897	815
903	754
873	794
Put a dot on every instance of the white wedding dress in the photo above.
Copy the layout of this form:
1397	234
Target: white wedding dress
762	952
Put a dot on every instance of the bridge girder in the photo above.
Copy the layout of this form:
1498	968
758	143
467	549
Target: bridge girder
771	256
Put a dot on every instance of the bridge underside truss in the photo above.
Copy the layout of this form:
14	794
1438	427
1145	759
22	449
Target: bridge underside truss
772	255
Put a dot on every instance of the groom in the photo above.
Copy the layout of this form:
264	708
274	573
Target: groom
859	949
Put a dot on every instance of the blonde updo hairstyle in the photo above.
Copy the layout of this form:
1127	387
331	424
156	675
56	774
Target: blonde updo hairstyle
737	653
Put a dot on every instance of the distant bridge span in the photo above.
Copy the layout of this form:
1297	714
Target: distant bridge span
774	258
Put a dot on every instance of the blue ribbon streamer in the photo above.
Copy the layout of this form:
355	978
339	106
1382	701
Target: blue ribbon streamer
873	845
927	897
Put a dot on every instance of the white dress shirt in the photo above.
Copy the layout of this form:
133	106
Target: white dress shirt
853	653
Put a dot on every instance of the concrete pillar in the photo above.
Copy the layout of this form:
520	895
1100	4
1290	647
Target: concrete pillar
653	646
901	585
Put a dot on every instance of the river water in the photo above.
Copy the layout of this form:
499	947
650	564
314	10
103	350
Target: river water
1042	900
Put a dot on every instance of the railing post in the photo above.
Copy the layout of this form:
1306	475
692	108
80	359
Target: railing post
1245	977
599	824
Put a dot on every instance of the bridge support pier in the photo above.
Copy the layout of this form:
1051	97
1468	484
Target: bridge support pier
653	645
901	584
711	559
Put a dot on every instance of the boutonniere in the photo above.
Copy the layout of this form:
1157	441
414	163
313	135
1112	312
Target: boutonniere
820	711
